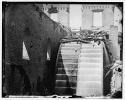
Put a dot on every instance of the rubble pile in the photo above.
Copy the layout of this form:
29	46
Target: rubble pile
116	81
94	33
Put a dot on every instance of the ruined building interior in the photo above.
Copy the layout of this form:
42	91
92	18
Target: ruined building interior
44	56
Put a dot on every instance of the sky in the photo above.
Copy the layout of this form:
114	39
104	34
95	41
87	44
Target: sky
75	15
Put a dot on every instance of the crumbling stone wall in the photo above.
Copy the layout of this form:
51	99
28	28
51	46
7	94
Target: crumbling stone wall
26	23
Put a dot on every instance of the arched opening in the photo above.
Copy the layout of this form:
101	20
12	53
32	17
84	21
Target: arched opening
48	78
25	53
48	50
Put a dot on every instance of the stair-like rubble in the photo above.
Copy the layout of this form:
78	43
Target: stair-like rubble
79	70
90	71
66	73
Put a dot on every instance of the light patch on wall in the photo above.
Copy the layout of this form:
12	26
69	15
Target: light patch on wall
54	16
97	19
25	53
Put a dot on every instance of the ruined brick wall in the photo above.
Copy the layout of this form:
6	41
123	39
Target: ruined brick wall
26	23
87	15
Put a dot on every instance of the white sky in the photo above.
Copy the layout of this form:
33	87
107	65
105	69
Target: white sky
75	15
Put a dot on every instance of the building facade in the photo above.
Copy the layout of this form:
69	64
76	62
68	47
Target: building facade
97	15
57	12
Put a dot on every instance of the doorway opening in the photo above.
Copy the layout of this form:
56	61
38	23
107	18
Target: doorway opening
97	19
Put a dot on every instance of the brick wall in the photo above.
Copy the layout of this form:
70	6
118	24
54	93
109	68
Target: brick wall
108	17
25	23
87	19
